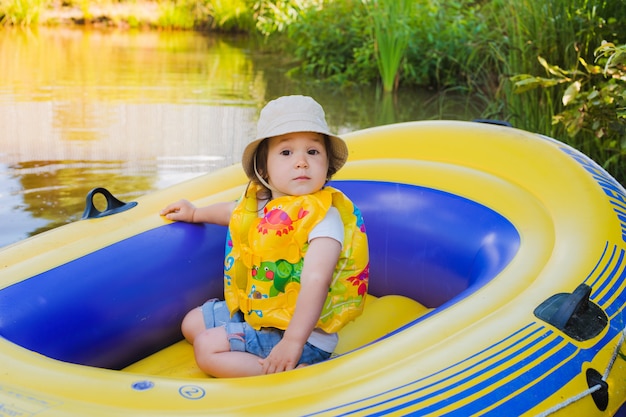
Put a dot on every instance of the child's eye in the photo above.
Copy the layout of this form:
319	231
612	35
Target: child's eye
313	152
285	152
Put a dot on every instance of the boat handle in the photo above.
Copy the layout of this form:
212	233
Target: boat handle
113	204
572	304
574	314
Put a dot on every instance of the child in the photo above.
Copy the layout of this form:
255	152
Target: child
296	265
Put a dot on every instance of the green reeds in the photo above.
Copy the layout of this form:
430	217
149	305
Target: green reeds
21	12
391	34
561	31
530	28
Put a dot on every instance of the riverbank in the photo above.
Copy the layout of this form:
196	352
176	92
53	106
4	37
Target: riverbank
474	48
137	14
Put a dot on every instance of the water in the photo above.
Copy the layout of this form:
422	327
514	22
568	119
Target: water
140	111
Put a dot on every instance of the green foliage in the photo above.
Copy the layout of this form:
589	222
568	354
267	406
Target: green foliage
275	16
564	34
338	43
391	34
266	17
429	45
231	15
21	12
444	37
329	44
594	103
178	15
223	15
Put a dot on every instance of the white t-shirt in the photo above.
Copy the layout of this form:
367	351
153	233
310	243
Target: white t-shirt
330	226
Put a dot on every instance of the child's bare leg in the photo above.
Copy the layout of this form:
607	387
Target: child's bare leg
213	356
193	324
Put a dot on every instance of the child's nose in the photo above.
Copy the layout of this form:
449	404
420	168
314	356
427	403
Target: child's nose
302	162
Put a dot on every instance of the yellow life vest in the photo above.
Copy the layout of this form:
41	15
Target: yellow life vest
265	254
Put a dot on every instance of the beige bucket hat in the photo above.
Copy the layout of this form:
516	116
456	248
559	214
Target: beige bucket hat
290	114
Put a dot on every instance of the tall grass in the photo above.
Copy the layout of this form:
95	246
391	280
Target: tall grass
561	31
21	12
391	33
544	38
529	28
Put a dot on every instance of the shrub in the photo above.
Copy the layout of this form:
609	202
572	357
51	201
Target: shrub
329	43
444	36
594	104
231	15
177	15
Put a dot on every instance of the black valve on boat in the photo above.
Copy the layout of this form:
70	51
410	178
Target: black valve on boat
574	314
493	122
113	204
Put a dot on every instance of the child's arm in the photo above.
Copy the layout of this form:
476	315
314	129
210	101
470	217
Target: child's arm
317	272
184	211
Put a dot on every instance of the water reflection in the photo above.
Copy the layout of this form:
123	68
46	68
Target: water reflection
139	111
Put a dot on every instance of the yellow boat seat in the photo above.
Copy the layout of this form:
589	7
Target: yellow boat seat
380	317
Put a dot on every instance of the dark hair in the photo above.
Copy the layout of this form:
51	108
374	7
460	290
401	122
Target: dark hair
260	156
333	159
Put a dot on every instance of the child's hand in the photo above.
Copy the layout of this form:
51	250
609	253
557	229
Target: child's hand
181	211
284	357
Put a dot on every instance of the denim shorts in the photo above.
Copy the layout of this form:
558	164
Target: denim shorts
243	338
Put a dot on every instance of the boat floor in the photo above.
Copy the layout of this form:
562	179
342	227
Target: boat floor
380	317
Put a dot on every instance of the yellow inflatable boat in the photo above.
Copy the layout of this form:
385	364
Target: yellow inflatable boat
497	288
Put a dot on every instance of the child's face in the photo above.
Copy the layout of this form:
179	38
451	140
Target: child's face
297	163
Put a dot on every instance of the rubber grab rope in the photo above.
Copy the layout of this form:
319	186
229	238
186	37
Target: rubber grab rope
593	389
